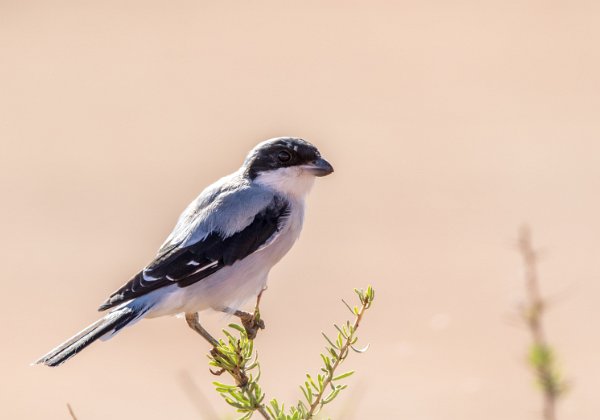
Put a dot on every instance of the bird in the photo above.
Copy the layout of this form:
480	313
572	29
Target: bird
222	247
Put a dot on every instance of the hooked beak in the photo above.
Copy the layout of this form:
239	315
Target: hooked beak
319	167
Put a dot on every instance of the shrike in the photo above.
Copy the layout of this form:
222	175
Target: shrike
223	245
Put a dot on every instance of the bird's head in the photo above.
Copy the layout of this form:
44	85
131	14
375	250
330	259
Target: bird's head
286	164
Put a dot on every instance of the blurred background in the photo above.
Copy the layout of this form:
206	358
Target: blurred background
449	125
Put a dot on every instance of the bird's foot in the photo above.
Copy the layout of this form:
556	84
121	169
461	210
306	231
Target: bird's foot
251	322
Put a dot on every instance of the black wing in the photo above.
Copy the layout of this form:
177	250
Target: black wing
185	266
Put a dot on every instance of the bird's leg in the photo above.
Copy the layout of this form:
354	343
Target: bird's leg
251	322
192	320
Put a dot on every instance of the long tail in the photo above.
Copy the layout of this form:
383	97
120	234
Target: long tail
104	328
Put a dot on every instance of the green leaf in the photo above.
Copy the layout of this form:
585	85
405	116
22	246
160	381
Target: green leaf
310	379
329	341
352	311
238	328
540	355
343	375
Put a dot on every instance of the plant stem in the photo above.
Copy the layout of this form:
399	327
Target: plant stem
343	352
241	379
533	314
71	412
263	412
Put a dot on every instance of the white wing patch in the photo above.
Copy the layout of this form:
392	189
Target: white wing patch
206	267
148	277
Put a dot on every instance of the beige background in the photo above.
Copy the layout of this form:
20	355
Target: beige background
449	124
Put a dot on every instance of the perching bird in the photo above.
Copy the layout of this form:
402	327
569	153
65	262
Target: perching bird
223	245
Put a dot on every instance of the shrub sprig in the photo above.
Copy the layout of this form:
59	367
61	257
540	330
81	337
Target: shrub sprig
235	355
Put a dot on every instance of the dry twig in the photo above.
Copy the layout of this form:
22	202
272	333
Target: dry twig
71	412
541	356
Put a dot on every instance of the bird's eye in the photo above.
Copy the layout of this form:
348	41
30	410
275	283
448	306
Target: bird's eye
284	156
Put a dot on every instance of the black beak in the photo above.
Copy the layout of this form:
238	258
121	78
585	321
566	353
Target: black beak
319	167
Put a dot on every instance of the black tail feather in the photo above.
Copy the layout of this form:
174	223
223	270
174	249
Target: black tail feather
110	324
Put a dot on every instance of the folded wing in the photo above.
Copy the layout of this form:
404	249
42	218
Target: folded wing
232	227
